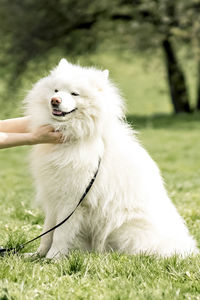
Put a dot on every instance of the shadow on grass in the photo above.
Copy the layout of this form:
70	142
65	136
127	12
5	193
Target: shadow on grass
180	121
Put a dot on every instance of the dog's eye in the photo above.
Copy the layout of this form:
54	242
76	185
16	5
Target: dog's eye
74	94
55	90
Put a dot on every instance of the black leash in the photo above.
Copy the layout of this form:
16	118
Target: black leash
16	249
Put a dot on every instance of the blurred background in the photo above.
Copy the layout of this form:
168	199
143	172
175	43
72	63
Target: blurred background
151	47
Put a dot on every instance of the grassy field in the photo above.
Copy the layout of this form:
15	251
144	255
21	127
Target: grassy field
174	143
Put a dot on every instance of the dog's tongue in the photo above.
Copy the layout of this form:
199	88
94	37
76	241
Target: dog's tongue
57	112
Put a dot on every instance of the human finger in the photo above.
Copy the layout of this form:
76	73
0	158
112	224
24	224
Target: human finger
57	136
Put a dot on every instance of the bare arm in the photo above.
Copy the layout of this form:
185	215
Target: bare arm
11	135
15	125
8	139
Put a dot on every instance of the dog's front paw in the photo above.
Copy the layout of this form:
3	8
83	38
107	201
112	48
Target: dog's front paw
31	255
42	250
55	254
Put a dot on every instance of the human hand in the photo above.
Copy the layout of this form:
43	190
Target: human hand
46	134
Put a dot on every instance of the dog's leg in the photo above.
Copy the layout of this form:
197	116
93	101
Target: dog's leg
46	240
64	236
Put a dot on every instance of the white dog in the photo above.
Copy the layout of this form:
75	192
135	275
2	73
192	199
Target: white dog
127	209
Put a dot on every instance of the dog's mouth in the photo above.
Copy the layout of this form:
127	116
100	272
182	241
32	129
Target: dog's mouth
59	113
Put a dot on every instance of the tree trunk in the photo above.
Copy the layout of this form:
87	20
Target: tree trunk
198	86
176	80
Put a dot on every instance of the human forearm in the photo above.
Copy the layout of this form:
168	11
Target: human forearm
8	139
43	135
15	125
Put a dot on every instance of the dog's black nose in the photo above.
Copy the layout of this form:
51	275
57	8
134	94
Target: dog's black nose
55	101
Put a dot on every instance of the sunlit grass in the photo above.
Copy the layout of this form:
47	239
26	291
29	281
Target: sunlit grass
175	146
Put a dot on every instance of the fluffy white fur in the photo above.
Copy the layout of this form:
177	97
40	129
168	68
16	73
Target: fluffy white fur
127	210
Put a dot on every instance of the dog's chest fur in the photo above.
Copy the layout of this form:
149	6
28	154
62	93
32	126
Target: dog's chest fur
64	172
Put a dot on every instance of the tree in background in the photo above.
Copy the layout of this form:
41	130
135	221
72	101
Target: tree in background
153	24
189	32
32	28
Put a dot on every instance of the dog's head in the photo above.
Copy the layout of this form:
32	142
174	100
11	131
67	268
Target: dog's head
76	100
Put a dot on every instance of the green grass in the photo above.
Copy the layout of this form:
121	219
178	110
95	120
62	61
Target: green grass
174	143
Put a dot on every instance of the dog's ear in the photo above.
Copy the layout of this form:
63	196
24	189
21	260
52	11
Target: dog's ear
105	74
100	79
63	63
